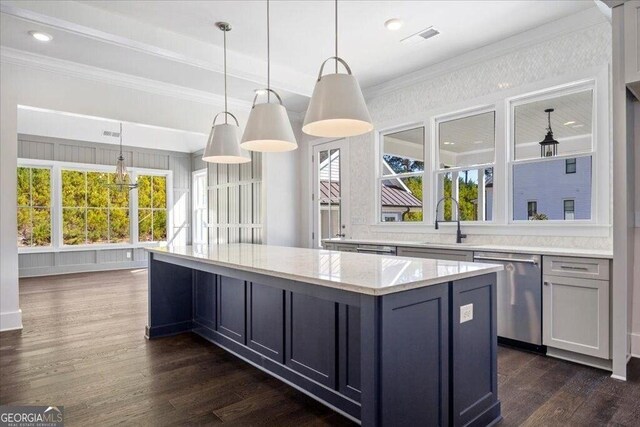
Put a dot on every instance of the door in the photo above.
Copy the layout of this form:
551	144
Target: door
330	191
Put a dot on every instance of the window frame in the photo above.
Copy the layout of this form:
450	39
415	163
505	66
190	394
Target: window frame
36	165
564	208
541	95
380	177
574	164
436	170
56	206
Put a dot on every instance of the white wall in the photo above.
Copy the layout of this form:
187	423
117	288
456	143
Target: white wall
635	312
532	58
36	87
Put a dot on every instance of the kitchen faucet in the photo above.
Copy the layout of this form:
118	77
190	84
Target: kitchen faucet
459	235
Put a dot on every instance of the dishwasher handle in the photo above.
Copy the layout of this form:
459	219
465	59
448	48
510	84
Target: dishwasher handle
490	258
375	251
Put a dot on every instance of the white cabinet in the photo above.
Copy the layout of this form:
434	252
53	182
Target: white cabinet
576	308
632	45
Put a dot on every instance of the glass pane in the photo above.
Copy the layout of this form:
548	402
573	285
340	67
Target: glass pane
119	225
73	226
24	227
330	213
144	191
549	185
73	188
41	227
475	204
97	190
41	187
403	152
467	141
159	196
24	187
159	225
118	196
144	225
571	122
401	199
97	226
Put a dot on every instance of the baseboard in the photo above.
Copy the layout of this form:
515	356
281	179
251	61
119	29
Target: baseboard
635	344
10	321
82	268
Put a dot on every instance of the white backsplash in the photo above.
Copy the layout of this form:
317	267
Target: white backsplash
584	49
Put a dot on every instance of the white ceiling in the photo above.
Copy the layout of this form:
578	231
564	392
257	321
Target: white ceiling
176	42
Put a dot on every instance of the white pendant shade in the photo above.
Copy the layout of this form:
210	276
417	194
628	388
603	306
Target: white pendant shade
337	107
268	129
223	147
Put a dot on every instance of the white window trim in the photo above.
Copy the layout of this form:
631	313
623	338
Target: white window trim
600	226
56	206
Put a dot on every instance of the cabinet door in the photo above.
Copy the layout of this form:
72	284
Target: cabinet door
449	254
576	315
231	308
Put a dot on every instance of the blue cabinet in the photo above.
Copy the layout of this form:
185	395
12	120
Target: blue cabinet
265	320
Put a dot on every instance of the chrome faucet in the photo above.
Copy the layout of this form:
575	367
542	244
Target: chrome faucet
459	235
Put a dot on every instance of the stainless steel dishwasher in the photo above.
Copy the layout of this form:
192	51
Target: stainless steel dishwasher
519	295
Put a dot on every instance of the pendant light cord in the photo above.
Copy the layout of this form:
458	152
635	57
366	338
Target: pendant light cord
268	58
120	139
336	18
225	77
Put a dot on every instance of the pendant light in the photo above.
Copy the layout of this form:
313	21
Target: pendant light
268	127
337	107
549	146
122	179
222	146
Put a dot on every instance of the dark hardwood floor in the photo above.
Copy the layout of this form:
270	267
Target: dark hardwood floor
83	347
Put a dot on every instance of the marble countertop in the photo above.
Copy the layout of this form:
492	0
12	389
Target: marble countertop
536	250
362	273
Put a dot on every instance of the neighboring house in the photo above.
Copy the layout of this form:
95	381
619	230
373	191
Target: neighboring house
558	189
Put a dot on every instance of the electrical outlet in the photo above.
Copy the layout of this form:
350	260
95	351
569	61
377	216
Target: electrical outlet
466	313
128	254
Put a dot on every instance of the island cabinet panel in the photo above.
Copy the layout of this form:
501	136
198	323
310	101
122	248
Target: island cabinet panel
170	299
414	381
265	320
349	351
231	308
474	349
311	326
204	298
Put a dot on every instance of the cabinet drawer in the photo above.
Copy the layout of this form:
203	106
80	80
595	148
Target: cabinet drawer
576	315
589	268
448	254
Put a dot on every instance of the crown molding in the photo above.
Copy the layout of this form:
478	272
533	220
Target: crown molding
579	21
74	69
293	83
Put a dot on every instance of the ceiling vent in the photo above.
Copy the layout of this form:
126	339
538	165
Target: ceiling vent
109	133
421	36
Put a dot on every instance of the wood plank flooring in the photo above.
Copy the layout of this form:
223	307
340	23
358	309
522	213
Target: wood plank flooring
83	347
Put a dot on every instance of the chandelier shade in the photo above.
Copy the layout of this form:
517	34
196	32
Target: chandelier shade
268	128
223	144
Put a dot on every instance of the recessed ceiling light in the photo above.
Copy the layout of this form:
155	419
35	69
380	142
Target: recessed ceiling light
570	123
503	85
448	143
40	36
393	24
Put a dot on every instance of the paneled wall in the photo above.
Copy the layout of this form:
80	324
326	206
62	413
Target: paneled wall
235	202
37	147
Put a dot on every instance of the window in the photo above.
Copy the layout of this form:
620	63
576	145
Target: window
532	210
152	208
555	179
92	211
34	206
200	208
569	209
400	184
466	153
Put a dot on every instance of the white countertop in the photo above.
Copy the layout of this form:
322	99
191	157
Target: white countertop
536	250
363	273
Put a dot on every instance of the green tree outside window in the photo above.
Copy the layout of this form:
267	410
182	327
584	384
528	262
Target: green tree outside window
152	208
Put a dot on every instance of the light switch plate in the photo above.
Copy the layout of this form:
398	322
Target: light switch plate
466	313
128	254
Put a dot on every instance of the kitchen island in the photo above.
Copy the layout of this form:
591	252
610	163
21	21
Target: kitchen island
384	340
